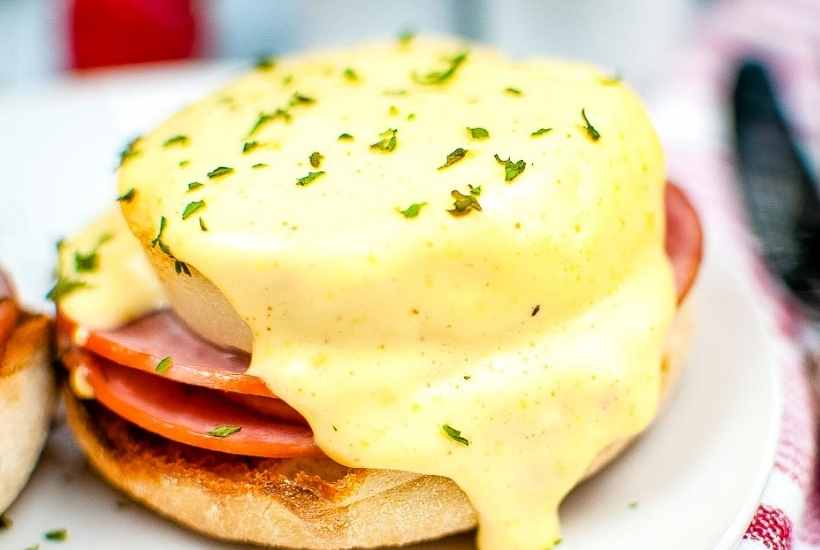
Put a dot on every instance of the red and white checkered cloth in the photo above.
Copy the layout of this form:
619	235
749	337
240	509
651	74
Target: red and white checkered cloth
693	115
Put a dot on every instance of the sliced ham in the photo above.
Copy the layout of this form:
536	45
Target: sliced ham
188	414
142	344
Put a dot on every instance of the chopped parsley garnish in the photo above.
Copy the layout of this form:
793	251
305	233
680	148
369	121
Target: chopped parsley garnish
478	133
158	239
350	74
440	77
316	159
413	210
594	135
164	364
184	163
406	37
224	430
85	262
345	137
286	81
5	522
411	117
178	139
58	535
453	158
127	196
202	225
557	541
393	110
264	118
259	165
220	171
130	150
395	92
511	169
194	185
540	132
265	63
63	287
307	180
632	505
249	146
455	435
475	191
513	91
464	204
301	99
387	142
181	267
535	310
191	208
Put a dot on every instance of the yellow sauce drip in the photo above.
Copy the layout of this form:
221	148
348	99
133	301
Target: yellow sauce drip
534	326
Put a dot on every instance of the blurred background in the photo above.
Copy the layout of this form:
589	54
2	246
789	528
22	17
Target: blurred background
48	38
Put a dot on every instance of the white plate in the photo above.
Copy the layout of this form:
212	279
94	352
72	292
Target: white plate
695	477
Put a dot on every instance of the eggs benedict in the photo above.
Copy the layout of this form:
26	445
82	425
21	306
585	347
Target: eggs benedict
27	391
378	295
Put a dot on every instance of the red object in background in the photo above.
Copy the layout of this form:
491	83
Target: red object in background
118	32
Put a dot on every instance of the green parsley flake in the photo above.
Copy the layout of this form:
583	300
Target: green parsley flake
164	364
127	196
32	547
406	37
632	505
453	158
540	132
301	99
224	431
85	262
63	287
194	185
202	225
316	159
511	169
594	135
411	117
513	91
220	171
464	204
387	143
475	191
478	133
350	75
307	180
264	118
440	77
58	535
265	63
157	241
259	165
393	110
129	151
184	163
249	146
413	210
192	207
455	435
178	139
557	541
345	137
395	92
